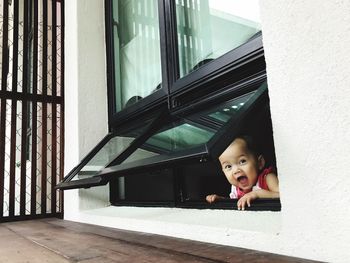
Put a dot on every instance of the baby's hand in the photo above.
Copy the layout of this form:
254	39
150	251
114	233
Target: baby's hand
212	198
246	199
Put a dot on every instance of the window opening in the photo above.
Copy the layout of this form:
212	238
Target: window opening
209	146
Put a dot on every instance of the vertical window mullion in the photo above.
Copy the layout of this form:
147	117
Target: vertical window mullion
111	91
168	36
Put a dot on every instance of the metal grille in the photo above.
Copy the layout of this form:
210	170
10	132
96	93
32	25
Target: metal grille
31	108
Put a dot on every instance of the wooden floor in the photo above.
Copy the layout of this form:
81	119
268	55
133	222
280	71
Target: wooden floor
55	240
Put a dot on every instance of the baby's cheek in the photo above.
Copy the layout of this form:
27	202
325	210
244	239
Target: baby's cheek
231	180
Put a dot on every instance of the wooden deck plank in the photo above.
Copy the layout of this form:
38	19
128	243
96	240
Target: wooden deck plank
65	241
17	249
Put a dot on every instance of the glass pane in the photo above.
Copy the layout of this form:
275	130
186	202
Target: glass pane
147	187
208	29
105	155
136	50
226	110
180	136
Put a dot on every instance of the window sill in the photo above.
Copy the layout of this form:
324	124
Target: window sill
220	226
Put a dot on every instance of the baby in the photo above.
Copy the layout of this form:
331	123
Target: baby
244	169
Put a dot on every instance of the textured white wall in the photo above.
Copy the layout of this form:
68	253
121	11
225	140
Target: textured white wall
307	47
85	95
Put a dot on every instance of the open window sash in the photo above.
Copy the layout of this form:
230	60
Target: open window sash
197	138
229	125
111	150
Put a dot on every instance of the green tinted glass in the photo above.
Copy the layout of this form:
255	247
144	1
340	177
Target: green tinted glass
225	111
105	155
136	50
181	136
208	29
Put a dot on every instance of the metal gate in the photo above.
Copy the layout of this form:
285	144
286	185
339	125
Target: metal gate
31	108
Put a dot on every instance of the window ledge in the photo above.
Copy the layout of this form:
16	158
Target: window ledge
226	227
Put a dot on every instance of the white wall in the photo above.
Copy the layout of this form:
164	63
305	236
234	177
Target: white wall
307	51
307	47
85	94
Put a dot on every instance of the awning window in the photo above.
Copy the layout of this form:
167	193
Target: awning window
167	140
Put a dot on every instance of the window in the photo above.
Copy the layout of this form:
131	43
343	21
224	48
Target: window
189	109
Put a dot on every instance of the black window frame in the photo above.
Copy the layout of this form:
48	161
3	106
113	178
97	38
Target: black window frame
234	73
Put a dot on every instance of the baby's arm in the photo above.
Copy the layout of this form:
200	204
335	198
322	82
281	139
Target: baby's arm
273	192
213	198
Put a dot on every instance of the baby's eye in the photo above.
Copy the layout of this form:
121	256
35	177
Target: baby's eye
242	161
227	167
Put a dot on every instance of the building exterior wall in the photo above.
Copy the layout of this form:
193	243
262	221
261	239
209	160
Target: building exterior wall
86	94
307	45
307	54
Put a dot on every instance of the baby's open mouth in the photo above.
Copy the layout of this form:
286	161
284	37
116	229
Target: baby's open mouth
242	179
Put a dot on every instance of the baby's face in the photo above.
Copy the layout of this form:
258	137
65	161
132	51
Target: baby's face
239	165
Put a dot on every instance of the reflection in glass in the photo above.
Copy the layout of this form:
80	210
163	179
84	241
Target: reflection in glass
185	134
225	111
136	50
105	155
181	136
208	29
147	187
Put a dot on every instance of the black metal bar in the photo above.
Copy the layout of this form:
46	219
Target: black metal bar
111	92
34	160
54	48
44	159
15	46
35	47
13	158
34	112
44	108
13	109
5	53
25	79
30	97
3	103
62	104
23	158
2	153
25	61
54	108
53	159
45	49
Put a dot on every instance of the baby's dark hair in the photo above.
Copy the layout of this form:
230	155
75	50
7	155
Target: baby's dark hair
251	144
